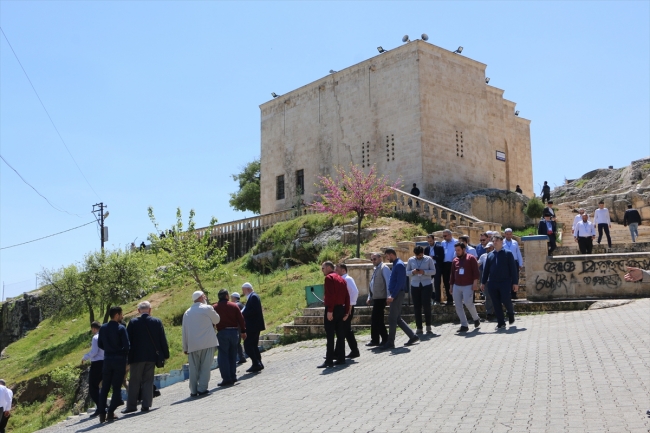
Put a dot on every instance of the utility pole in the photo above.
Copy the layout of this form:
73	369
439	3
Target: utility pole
99	208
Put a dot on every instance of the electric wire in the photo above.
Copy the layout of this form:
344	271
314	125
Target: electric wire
48	114
28	184
48	236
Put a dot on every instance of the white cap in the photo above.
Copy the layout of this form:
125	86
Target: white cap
196	295
247	286
489	244
508	230
235	295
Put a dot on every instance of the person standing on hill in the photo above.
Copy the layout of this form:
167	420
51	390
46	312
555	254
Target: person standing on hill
420	268
148	342
546	192
6	399
337	309
518	190
396	291
342	270
114	341
603	222
96	359
632	219
377	293
199	342
254	317
548	228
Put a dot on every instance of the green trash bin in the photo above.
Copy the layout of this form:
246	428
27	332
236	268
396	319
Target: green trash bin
319	290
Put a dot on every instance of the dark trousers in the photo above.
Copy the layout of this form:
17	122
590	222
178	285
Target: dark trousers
546	197
3	420
94	379
140	384
335	328
421	296
227	355
500	294
437	280
251	346
377	324
585	244
112	377
601	228
446	273
240	350
552	245
349	333
513	294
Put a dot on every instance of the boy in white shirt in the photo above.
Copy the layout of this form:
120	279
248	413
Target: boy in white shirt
603	222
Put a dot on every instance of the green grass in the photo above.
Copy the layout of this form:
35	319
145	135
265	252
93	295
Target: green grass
526	231
645	166
580	183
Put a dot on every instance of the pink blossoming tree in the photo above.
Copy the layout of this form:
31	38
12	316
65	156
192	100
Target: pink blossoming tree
355	192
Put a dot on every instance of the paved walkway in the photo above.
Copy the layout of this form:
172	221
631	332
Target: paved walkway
585	371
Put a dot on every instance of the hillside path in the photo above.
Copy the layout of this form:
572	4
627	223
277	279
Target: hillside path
586	371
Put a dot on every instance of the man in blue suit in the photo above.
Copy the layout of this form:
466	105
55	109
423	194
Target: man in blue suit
254	318
148	341
501	276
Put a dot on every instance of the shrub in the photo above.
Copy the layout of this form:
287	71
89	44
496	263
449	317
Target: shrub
332	252
415	218
535	208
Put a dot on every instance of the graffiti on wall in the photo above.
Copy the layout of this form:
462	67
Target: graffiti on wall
596	273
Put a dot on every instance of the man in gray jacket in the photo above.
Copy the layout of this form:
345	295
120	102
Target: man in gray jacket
421	268
199	342
377	293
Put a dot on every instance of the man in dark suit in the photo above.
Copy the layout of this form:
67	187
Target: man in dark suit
254	318
501	277
437	253
548	228
147	337
114	341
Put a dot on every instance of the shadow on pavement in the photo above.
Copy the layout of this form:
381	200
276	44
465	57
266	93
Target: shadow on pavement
513	330
338	368
190	398
470	334
427	337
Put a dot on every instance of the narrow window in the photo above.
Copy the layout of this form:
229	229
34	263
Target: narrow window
279	187
300	182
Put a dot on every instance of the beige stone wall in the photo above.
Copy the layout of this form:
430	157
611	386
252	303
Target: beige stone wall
581	276
399	111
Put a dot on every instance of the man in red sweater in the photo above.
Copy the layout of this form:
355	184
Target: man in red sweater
228	331
464	282
337	309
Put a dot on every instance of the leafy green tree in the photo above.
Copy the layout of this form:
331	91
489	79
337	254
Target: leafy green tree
534	208
189	253
248	196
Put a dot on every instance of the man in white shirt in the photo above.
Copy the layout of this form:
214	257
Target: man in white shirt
420	268
603	222
342	270
449	245
468	248
584	234
96	359
6	397
199	342
576	220
509	244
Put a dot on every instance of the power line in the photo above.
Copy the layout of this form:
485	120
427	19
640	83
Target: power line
47	112
28	184
48	236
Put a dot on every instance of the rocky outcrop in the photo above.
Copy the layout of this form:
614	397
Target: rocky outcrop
616	187
496	205
17	316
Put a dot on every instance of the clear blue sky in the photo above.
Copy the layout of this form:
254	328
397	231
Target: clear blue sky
158	101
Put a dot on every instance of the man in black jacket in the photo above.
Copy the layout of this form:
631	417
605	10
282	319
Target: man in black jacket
148	340
254	326
548	228
632	219
437	253
114	341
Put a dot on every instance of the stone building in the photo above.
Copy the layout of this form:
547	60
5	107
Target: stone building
418	112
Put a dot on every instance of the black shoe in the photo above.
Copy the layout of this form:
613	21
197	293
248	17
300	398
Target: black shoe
102	418
387	346
255	368
463	329
500	327
511	320
477	323
354	354
201	394
111	417
372	344
129	410
226	383
93	415
412	341
193	395
144	409
326	364
450	303
339	362
489	317
241	361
